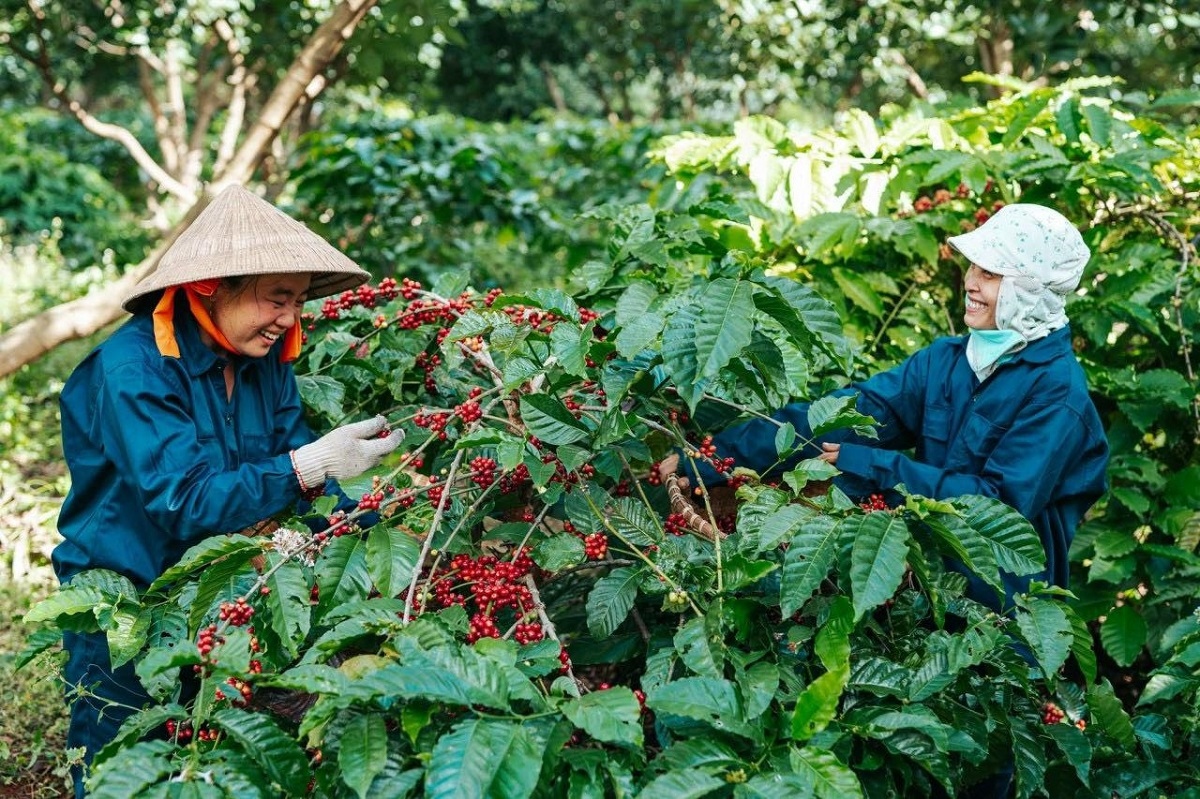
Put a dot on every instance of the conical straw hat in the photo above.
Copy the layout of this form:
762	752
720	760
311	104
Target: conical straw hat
240	233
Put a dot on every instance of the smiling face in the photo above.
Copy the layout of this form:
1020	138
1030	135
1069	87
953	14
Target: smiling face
255	314
983	287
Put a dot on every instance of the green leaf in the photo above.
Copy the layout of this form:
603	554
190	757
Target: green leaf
126	635
205	553
1099	122
808	471
946	655
690	784
774	785
475	323
860	128
1123	634
558	552
828	776
220	578
680	356
810	321
1134	778
549	420
877	554
569	343
832	646
288	606
695	753
838	413
314	678
610	601
639	334
554	300
1046	629
632	520
612	716
723	329
1075	747
1027	110
759	684
274	751
342	575
38	641
392	556
635	302
880	677
818	703
699	647
810	556
480	758
856	289
962	542
518	370
711	701
1081	647
1029	759
1014	542
1070	122
324	394
824	233
449	679
67	601
362	751
740	572
1108	715
132	771
136	727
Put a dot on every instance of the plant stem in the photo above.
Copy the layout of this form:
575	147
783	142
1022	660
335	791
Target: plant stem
427	544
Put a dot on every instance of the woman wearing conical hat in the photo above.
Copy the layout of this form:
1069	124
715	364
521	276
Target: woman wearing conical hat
187	422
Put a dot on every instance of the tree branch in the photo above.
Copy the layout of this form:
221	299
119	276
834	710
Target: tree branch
81	317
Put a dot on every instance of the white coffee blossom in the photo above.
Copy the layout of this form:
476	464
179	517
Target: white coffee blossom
293	544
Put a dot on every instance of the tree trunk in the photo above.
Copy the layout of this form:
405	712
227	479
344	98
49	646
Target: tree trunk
553	88
996	51
81	317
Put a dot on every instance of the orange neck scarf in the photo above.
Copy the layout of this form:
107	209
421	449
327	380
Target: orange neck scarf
164	322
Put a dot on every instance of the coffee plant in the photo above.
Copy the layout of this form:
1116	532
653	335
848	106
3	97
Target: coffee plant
525	604
532	615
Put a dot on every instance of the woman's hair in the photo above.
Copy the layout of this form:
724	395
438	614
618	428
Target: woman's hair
236	284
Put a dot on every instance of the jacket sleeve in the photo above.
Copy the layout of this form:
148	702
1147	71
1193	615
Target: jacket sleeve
893	398
146	427
1022	470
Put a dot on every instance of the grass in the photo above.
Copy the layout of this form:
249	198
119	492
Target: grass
33	714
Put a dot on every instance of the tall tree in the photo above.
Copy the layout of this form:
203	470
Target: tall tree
185	153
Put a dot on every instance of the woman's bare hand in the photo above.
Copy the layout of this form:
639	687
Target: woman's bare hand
830	454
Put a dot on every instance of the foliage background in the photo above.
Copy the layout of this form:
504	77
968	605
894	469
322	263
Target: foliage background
499	140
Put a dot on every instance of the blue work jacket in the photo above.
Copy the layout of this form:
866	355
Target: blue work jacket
160	458
1029	435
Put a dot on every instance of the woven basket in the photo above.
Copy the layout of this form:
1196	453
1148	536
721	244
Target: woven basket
722	500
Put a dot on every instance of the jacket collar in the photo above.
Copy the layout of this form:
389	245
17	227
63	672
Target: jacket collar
194	356
1048	348
1043	350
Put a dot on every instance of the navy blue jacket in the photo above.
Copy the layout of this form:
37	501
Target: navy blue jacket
160	458
1029	435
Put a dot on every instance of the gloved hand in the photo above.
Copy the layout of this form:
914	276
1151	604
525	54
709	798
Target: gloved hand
345	451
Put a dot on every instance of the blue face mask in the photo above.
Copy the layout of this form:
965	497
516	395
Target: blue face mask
987	349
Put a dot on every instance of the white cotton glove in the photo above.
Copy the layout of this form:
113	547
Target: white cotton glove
345	451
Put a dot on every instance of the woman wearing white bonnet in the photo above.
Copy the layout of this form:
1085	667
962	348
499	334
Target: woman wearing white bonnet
1039	257
187	423
1003	411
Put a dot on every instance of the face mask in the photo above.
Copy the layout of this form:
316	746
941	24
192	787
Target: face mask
987	349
